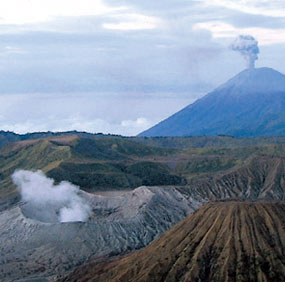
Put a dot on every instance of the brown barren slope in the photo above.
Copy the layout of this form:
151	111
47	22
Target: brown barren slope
222	241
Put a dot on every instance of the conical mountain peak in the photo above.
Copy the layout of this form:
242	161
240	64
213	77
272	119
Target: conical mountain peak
250	104
256	80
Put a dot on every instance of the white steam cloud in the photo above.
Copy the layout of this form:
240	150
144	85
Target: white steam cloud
48	201
248	48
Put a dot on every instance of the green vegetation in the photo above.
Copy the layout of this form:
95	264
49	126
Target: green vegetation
154	174
98	162
39	155
221	141
91	163
203	165
94	176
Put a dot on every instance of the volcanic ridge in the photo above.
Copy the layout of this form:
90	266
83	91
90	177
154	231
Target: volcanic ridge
37	243
223	241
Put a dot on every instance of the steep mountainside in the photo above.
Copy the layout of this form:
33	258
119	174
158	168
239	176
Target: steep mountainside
222	241
259	178
250	104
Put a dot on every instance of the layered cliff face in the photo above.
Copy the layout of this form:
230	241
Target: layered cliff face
258	178
222	241
250	104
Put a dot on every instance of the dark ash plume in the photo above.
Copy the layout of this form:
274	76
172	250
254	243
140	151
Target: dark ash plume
248	47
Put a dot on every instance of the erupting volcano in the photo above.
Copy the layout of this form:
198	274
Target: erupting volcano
250	104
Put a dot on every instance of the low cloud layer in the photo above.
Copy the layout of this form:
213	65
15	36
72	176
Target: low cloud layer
41	194
56	112
135	50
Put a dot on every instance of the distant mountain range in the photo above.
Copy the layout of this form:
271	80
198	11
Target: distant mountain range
250	104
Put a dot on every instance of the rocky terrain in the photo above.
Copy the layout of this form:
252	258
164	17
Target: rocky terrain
123	218
124	222
32	248
258	178
223	241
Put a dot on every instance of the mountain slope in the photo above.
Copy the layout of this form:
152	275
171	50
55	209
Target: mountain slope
250	104
258	178
222	241
79	159
130	220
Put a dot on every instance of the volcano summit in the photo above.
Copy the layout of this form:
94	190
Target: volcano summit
250	104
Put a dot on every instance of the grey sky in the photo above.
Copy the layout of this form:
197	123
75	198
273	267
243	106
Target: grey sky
122	66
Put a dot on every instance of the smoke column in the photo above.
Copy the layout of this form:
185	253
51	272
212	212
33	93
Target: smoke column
248	48
62	200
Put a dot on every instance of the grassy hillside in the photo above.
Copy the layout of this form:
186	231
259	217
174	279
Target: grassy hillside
186	142
93	164
29	155
112	163
207	141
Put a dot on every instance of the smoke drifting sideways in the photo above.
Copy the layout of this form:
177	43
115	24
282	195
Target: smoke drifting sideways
49	202
247	45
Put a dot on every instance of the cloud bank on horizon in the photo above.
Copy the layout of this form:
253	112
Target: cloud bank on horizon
122	66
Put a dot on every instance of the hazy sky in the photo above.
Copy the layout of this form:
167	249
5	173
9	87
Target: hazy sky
122	66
